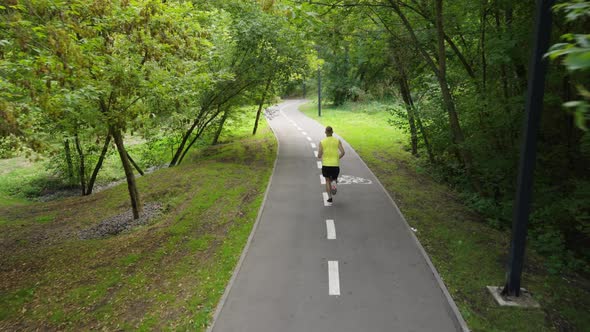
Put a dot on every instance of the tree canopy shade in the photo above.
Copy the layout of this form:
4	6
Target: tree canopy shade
88	68
262	49
76	74
459	71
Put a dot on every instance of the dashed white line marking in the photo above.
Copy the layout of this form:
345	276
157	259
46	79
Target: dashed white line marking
334	278
330	229
319	164
315	153
322	179
304	133
326	203
313	146
309	138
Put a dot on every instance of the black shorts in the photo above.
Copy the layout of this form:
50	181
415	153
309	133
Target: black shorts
331	172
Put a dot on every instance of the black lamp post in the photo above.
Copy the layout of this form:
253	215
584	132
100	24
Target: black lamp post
534	106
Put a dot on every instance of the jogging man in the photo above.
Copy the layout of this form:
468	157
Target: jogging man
330	152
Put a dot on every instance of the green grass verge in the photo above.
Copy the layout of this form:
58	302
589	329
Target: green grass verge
18	178
168	275
467	253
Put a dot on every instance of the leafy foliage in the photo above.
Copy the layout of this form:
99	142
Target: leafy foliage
76	73
575	51
391	50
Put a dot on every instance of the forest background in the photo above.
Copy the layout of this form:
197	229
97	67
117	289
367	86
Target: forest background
78	77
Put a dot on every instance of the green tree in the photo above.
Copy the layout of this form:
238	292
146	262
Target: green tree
255	48
575	51
88	67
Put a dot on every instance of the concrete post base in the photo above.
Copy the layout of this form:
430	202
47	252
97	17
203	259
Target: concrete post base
525	300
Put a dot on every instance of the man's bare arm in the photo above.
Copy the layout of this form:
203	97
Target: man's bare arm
341	148
320	151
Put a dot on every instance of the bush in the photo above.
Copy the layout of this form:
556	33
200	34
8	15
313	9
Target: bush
9	146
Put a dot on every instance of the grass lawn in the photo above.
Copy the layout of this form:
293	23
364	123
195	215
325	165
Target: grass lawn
167	275
18	177
468	254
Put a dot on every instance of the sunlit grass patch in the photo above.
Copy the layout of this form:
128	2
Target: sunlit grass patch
20	179
45	218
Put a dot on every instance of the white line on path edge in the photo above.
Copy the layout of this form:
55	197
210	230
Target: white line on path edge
315	153
326	203
334	278
319	164
304	133
313	145
322	179
309	138
330	229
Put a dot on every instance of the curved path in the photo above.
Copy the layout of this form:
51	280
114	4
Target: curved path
310	266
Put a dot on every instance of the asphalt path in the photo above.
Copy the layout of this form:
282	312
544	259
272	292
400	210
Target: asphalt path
353	265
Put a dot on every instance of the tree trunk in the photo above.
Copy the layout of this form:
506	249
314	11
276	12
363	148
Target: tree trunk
82	166
413	116
179	151
406	96
424	136
455	126
449	40
262	100
411	121
69	160
220	128
135	164
103	153
461	57
414	38
183	149
199	133
457	137
131	185
440	73
185	137
456	132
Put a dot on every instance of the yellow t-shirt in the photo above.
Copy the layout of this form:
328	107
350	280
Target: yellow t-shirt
331	154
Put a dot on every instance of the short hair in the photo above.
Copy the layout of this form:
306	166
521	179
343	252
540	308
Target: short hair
329	130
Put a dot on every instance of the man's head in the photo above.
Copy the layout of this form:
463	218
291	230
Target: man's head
329	131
